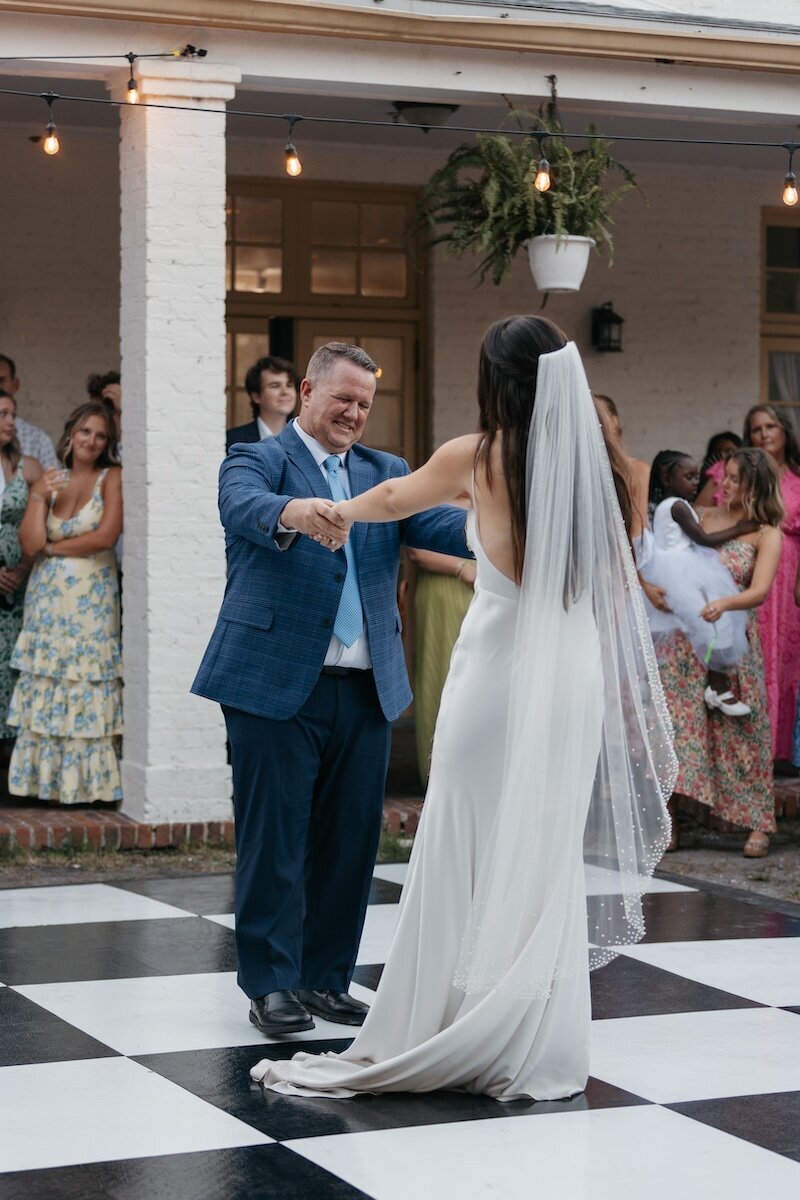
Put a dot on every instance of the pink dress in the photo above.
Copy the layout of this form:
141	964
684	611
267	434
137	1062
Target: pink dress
779	623
716	472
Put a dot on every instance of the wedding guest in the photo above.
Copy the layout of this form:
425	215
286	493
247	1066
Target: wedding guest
108	388
443	592
273	387
18	473
769	429
719	449
33	441
727	765
67	704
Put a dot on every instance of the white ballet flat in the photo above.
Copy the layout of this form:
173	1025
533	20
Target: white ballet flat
727	703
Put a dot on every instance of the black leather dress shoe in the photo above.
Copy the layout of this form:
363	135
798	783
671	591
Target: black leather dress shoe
334	1006
280	1012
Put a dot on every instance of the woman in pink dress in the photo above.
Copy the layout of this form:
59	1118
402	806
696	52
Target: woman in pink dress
768	429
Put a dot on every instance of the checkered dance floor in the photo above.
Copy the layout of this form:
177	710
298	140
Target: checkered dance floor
125	1048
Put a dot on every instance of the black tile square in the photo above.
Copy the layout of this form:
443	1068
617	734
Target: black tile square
706	916
30	1034
771	1121
115	950
221	1078
629	988
368	976
383	891
200	894
247	1173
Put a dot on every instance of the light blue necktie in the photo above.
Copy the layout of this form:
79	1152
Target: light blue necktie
349	623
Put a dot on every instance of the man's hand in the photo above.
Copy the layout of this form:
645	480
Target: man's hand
317	519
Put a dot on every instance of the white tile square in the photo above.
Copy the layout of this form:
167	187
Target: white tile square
766	970
392	872
79	904
605	1154
58	1114
699	1055
166	1013
602	882
376	938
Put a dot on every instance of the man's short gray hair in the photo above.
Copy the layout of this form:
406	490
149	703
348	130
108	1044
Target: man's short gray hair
325	359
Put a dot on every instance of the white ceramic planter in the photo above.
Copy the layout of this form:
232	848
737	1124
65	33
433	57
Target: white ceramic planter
559	264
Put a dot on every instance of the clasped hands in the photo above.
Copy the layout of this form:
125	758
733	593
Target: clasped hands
321	520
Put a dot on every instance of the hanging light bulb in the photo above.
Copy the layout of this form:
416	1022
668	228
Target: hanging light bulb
790	192
51	144
543	181
133	90
293	165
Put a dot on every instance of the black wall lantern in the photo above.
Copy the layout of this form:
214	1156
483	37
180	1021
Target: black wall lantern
607	328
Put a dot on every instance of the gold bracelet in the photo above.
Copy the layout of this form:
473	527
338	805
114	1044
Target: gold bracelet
36	496
459	569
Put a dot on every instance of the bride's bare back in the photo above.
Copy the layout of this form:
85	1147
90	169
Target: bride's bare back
493	512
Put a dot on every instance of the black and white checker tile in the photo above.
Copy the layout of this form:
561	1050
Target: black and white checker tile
125	1048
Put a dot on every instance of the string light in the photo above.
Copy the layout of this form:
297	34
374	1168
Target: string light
790	193
133	91
51	143
292	163
543	180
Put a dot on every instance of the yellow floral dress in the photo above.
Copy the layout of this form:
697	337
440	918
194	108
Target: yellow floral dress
67	704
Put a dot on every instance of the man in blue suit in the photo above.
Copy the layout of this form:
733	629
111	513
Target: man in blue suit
307	662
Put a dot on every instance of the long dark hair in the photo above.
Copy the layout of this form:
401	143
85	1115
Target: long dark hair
664	464
792	448
507	371
92	408
507	374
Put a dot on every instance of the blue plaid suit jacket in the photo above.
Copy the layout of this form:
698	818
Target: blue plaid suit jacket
276	619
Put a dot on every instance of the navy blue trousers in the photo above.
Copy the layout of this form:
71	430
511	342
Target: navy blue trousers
308	803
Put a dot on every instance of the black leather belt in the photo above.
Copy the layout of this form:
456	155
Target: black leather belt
343	671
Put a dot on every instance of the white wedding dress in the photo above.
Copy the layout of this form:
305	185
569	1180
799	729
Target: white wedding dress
552	748
422	1033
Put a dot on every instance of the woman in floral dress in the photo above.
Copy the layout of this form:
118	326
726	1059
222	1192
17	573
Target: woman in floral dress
778	620
18	472
726	764
67	704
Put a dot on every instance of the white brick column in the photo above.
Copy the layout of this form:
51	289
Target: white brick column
172	321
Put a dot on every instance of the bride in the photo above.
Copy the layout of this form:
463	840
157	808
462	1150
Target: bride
552	750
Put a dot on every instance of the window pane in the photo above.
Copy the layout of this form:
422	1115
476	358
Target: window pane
388	354
383	224
783	291
784	377
228	267
258	269
783	246
241	410
250	347
334	223
383	274
385	424
333	272
258	219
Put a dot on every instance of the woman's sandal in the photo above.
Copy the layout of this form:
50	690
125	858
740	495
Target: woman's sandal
757	845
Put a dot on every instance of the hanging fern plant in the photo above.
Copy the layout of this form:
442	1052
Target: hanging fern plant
483	200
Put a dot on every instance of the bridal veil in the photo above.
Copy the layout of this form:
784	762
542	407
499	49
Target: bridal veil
579	588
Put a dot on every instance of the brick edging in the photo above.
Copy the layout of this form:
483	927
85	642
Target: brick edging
35	829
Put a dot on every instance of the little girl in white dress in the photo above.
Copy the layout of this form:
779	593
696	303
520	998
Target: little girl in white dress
681	558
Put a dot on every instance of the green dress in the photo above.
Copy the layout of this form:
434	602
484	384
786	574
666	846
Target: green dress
440	605
67	704
15	499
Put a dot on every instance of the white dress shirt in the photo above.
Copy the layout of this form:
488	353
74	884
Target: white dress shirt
264	430
356	656
36	444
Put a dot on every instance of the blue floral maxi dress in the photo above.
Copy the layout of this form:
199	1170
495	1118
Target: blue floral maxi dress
67	704
15	499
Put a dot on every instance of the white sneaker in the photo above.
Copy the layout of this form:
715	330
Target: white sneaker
730	706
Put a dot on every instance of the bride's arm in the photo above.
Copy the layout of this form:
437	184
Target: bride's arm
444	477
